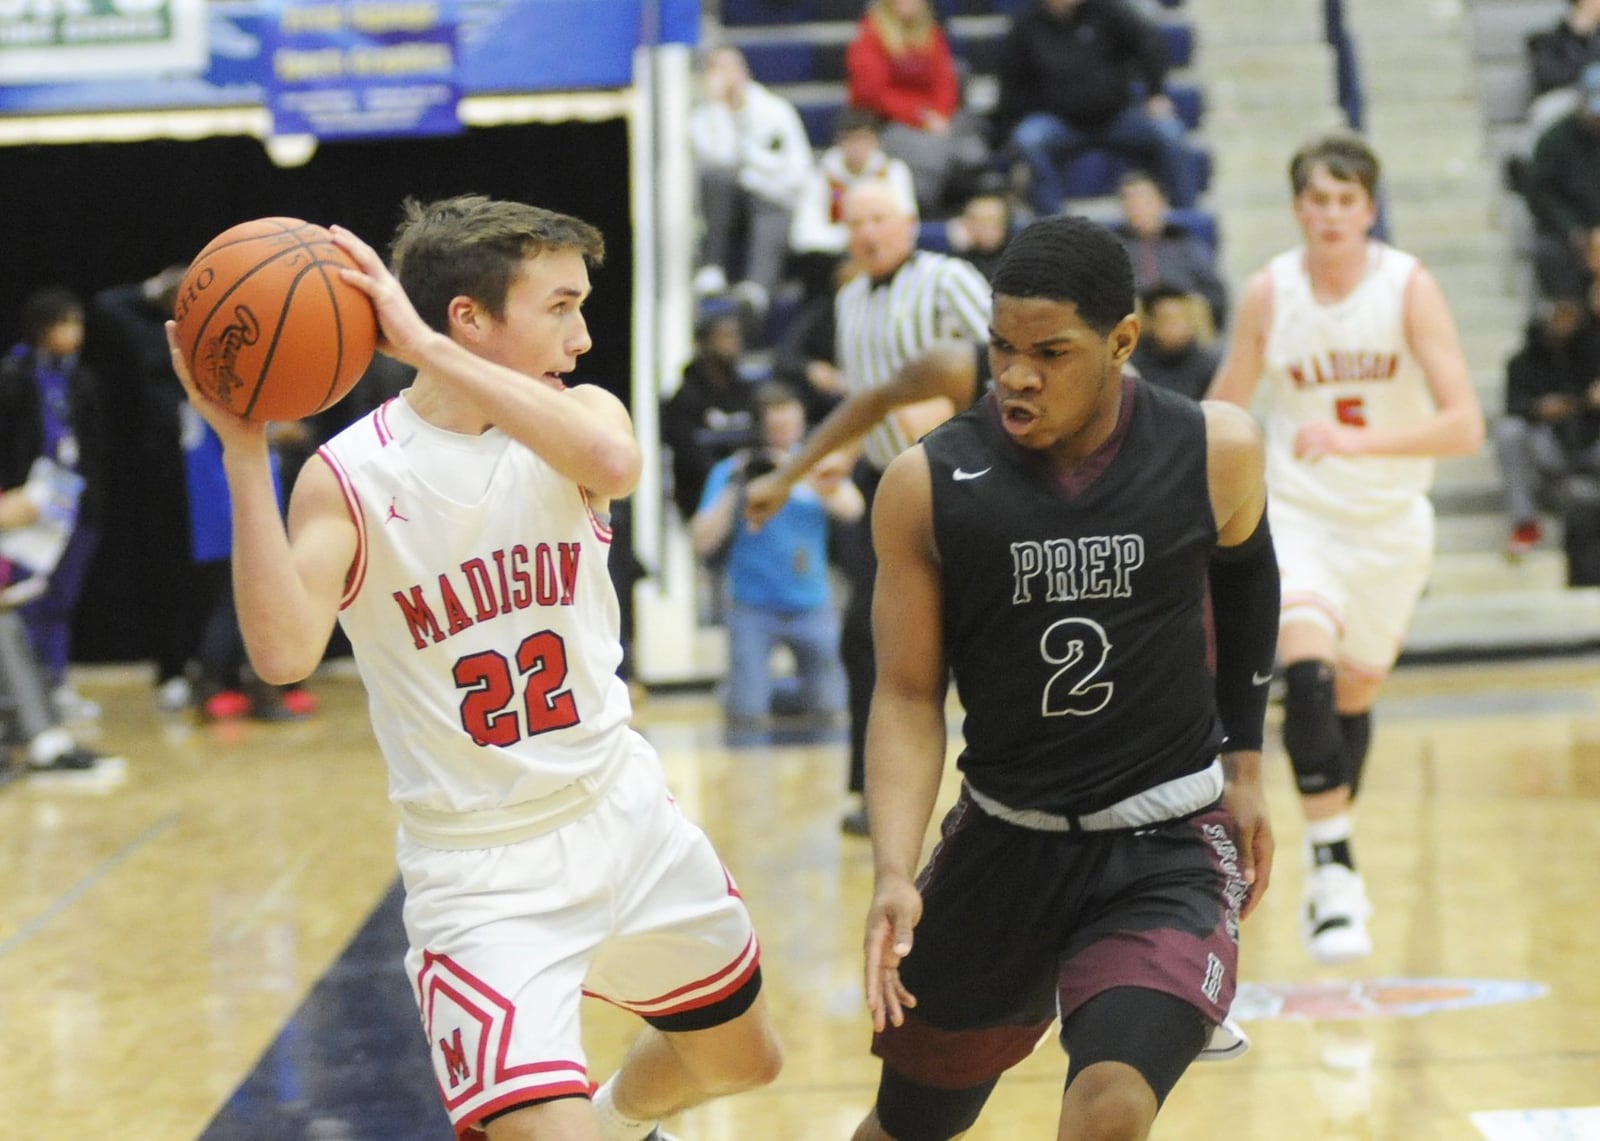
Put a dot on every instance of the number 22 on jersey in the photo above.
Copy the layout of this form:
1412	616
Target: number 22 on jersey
491	684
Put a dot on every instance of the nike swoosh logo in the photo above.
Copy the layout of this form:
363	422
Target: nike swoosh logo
1260	679
962	473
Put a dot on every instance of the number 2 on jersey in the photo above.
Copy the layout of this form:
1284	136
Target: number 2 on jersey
491	686
1079	646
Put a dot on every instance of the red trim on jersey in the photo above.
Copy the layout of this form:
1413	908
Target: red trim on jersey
729	979
380	422
602	531
466	1130
357	574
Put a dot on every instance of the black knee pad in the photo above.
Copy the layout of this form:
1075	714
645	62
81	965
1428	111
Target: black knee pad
1156	1033
909	1111
1311	727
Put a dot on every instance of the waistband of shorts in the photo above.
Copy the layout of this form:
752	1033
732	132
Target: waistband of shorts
1170	800
497	827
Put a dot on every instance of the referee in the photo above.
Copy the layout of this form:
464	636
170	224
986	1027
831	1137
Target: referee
904	303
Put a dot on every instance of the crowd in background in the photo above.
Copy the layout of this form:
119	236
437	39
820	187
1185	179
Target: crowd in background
1546	441
60	452
1074	76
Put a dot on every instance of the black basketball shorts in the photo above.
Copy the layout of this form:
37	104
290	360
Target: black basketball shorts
1019	926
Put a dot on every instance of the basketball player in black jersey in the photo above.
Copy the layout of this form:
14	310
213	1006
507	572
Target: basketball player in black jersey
1056	550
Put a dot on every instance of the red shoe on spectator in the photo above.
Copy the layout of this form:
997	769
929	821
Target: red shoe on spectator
1524	538
300	702
226	705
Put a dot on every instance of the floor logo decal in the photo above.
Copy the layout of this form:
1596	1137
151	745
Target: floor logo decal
1375	998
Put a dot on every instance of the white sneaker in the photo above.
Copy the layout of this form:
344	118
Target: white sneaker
173	695
1228	1041
1336	915
70	705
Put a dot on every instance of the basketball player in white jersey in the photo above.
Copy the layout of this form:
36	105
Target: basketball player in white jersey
1366	384
459	535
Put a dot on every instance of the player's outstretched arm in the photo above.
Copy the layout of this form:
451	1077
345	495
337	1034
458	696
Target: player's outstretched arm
286	595
949	370
906	728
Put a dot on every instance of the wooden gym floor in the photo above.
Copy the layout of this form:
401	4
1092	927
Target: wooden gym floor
209	947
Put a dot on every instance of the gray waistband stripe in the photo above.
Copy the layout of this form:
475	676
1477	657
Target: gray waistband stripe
1182	796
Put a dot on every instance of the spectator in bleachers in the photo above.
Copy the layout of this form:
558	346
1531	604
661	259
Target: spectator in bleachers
1175	348
818	237
1079	75
1163	249
1550	433
900	68
752	155
713	413
1557	56
981	232
49	422
777	575
1563	192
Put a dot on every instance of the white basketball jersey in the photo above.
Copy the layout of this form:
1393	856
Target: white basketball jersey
485	625
1348	363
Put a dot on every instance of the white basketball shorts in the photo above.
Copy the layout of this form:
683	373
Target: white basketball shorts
628	903
1361	578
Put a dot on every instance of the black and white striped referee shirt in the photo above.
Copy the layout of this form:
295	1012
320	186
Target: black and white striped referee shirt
882	325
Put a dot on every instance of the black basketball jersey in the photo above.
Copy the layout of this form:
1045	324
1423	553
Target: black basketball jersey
1075	609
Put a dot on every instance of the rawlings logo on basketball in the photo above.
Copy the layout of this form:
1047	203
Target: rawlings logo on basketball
268	324
222	354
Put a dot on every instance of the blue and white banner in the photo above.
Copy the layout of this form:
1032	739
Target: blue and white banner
363	69
231	55
66	41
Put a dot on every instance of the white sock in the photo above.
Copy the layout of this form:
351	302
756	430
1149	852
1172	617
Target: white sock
1329	831
614	1126
49	745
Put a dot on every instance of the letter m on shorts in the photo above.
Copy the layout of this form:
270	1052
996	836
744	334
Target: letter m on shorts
454	1054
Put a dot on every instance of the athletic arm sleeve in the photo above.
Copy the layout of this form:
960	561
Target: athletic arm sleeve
1244	606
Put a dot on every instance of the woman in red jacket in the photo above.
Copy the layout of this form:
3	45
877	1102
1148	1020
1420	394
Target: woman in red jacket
901	69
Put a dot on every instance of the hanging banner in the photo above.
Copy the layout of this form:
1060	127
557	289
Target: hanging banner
495	47
71	41
363	69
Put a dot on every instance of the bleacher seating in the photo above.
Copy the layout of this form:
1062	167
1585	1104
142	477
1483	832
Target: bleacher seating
815	53
1201	223
798	48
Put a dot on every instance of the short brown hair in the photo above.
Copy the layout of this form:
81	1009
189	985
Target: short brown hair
474	246
1346	157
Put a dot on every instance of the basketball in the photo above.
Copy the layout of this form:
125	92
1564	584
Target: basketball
268	327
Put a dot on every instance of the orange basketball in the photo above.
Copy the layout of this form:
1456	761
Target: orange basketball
268	327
